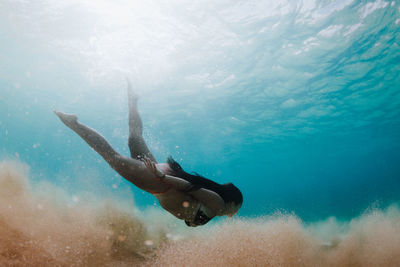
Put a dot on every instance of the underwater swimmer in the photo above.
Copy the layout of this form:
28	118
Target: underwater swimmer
191	198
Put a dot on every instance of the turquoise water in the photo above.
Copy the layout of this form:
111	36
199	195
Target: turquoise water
295	102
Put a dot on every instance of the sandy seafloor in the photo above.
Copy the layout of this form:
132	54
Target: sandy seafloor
42	229
295	102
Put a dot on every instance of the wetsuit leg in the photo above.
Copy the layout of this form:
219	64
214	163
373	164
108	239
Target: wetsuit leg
136	143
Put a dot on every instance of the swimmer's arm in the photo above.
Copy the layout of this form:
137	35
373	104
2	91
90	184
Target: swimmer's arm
207	197
175	182
210	199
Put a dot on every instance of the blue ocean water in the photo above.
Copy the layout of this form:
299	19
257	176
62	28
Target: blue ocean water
295	102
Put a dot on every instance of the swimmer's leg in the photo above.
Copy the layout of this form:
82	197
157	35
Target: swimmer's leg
131	169
136	143
118	162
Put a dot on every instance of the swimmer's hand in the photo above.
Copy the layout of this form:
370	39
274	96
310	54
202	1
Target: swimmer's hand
152	167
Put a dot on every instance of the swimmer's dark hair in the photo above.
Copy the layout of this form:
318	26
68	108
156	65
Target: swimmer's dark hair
228	192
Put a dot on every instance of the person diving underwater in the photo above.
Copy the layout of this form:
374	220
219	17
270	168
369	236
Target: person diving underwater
189	197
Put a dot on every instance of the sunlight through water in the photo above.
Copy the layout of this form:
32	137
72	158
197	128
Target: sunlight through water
295	102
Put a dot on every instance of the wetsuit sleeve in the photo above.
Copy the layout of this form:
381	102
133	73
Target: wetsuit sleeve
210	199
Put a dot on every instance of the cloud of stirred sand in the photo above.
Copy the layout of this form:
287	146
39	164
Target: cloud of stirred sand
47	231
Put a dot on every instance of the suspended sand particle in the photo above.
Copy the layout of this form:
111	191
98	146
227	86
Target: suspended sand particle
148	242
174	237
185	204
39	206
75	199
114	186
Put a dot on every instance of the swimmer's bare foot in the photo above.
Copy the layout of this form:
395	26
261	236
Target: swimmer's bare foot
67	119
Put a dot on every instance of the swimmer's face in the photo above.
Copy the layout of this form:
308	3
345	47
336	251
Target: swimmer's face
230	215
191	224
231	209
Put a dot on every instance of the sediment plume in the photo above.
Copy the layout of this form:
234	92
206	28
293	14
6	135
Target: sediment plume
46	230
281	240
41	230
